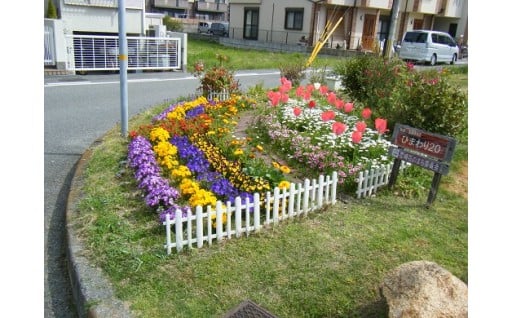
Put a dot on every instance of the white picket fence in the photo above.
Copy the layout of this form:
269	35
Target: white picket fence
370	180
197	228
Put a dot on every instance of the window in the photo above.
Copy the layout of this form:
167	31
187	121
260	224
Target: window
415	37
293	19
251	23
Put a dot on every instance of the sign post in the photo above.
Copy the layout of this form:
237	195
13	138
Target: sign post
425	149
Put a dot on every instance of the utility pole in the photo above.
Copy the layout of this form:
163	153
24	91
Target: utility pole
123	68
395	10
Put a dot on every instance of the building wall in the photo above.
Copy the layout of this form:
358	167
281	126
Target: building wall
271	19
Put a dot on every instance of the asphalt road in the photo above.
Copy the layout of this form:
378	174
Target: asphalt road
79	109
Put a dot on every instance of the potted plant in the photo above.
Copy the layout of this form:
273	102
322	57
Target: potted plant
217	81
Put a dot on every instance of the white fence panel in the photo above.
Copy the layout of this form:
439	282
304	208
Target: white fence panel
101	53
370	180
188	231
49	46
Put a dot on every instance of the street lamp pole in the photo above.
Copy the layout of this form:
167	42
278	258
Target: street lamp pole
123	68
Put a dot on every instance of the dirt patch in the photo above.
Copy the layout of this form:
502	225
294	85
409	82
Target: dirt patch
459	181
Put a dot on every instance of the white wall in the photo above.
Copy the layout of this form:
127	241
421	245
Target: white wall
104	20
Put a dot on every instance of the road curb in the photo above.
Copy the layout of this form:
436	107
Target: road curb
92	291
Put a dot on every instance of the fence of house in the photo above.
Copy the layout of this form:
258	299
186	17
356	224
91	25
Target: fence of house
49	46
101	53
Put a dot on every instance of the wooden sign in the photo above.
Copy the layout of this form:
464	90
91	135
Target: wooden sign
422	148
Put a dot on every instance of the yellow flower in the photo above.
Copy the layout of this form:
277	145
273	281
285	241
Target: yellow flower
284	169
275	164
239	152
284	185
159	134
259	147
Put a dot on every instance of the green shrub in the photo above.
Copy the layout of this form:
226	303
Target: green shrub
293	71
51	11
172	24
394	90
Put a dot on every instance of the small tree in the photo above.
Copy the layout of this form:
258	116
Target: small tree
172	24
51	11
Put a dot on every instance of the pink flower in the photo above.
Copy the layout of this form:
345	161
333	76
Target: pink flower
357	136
324	89
274	97
381	125
331	98
286	85
307	95
299	92
348	107
328	115
284	97
366	113
339	103
297	111
338	128
310	88
312	104
361	126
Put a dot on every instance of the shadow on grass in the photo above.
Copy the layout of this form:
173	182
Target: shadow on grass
376	309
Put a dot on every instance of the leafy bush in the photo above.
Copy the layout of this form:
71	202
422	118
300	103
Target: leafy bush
51	11
217	78
294	72
172	24
395	90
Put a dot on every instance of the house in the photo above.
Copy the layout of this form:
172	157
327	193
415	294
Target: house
84	36
198	9
355	24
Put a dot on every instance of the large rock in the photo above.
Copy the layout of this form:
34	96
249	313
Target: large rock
422	289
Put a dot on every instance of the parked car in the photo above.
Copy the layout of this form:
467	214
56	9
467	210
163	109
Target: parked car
220	28
204	27
429	47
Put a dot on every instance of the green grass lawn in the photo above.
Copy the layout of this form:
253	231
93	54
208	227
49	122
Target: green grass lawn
328	264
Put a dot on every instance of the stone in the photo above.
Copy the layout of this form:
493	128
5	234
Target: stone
422	289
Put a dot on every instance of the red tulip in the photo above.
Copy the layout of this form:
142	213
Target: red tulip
357	136
366	113
284	97
324	89
348	107
338	128
361	126
297	111
339	103
328	115
307	95
331	98
286	85
312	104
381	125
274	97
299	92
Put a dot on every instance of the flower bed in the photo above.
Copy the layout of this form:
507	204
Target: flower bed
188	155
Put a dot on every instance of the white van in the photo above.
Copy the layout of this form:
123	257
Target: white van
428	46
204	27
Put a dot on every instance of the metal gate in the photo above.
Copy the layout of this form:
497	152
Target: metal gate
101	53
49	46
